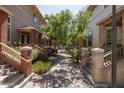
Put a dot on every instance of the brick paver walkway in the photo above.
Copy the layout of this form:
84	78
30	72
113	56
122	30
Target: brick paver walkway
64	73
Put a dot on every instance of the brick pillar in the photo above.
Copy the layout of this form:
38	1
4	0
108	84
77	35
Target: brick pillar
3	27
26	52
84	59
98	65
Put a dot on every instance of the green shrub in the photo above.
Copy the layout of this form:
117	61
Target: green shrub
41	66
35	53
74	52
16	48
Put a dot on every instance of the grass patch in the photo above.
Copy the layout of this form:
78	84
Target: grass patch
41	67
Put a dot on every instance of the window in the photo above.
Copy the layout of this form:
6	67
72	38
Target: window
90	37
105	6
9	30
34	18
24	38
39	38
109	35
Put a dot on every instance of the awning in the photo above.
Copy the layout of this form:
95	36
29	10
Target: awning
2	8
28	29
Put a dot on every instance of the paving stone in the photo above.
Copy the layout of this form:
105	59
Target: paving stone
64	74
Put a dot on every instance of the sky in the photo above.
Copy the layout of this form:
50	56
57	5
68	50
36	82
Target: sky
53	9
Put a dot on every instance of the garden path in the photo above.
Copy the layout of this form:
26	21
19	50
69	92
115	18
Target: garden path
63	74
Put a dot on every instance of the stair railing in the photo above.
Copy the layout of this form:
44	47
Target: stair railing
108	56
11	53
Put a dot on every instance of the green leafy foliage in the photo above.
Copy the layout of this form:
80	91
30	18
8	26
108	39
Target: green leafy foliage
41	67
59	25
67	29
35	53
74	53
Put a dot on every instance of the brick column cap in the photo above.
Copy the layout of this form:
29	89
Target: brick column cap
84	49
98	50
26	48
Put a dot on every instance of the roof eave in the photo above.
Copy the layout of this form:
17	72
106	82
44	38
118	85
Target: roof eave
91	7
6	10
36	10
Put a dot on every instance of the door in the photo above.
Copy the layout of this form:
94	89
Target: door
24	38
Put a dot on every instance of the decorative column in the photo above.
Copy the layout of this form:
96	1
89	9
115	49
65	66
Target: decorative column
98	65
26	52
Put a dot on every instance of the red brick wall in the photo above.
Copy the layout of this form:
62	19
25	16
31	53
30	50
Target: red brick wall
3	27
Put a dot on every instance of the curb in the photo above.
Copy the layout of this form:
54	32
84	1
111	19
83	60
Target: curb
21	85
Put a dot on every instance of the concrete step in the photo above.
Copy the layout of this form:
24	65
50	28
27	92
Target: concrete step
10	69
3	78
9	76
13	81
7	71
1	72
3	66
2	62
14	72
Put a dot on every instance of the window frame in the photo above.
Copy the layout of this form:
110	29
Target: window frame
9	28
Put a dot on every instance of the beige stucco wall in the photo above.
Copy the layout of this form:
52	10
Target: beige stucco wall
100	14
22	16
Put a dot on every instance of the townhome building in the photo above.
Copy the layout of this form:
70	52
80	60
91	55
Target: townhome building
24	25
99	28
99	37
19	25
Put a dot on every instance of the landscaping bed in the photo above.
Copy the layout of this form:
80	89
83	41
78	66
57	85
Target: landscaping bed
40	59
41	67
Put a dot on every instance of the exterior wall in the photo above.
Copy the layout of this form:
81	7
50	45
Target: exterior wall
102	35
100	14
22	16
3	27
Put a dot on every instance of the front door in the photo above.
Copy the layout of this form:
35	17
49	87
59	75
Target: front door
24	38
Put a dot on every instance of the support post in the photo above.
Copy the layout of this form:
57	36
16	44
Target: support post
114	45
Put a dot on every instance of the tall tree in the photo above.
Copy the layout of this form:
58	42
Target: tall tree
59	25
